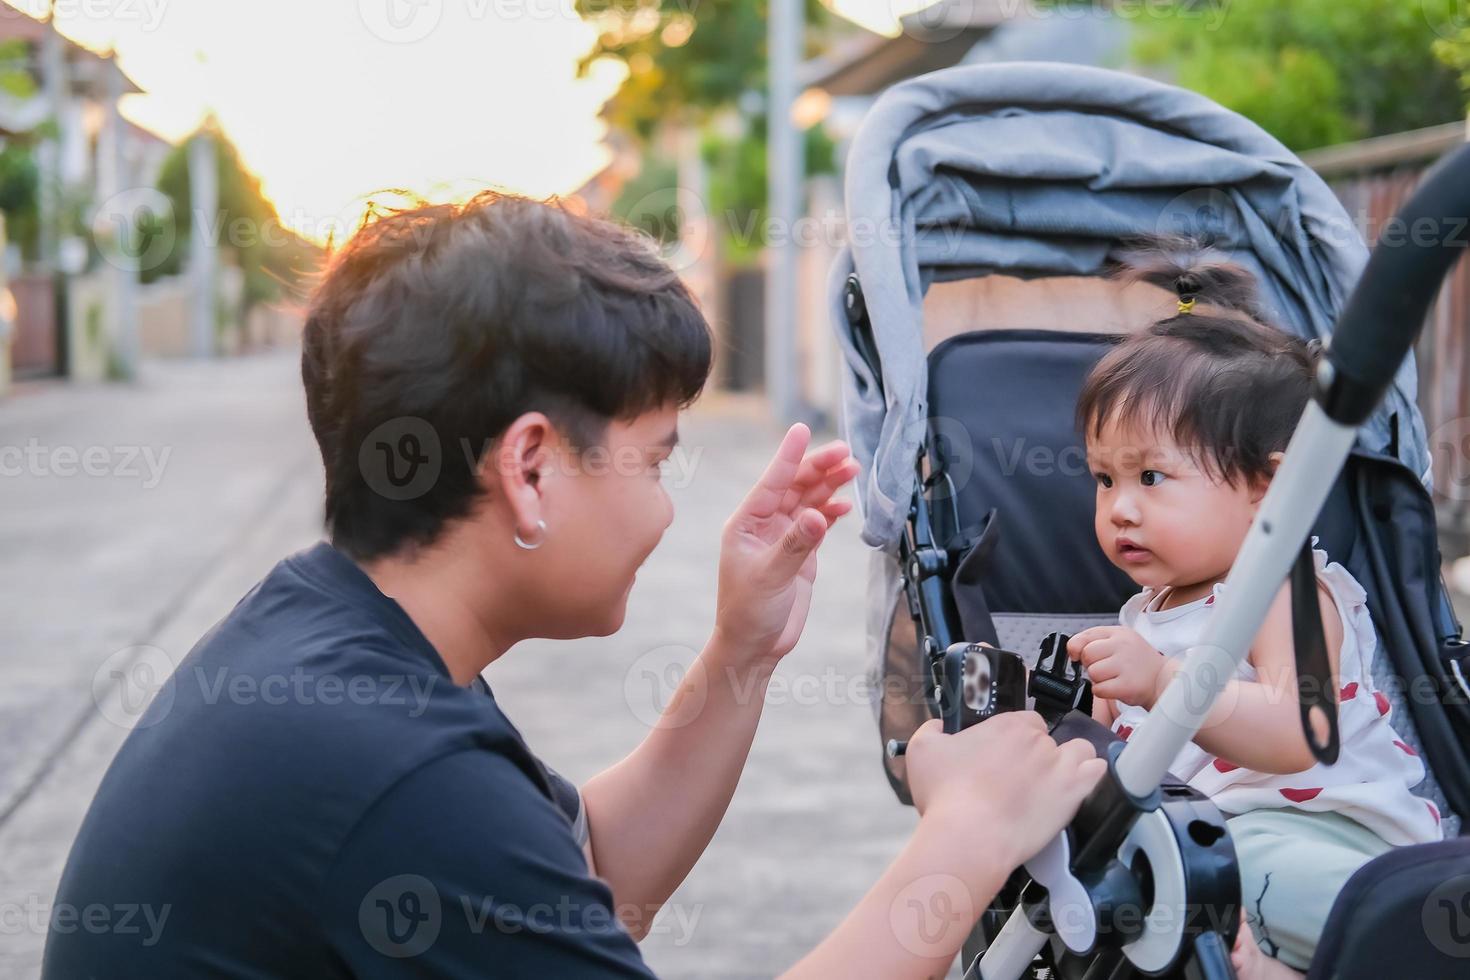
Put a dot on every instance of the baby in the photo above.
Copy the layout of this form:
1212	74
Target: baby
1184	425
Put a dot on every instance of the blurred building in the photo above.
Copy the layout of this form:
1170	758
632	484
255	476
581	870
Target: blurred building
89	154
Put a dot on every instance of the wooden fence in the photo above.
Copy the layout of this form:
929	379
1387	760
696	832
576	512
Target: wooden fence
1373	179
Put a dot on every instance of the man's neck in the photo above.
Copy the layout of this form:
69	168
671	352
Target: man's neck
439	595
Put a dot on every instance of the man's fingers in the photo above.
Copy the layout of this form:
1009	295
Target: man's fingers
1087	774
832	480
1077	751
833	509
1101	671
796	545
821	468
765	497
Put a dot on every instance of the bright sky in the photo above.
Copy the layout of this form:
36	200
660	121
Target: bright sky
331	100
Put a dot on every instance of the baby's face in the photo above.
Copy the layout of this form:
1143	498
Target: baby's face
1162	516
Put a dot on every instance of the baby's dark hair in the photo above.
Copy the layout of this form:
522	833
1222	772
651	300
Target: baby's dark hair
1216	377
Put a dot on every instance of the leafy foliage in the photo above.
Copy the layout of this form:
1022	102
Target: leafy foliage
1312	72
1454	51
687	61
686	58
273	258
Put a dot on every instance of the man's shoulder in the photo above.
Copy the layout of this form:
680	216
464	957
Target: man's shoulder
309	702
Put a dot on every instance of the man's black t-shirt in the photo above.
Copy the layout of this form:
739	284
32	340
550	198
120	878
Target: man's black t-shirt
312	795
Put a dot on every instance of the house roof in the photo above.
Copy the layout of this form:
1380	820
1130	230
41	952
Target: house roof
936	37
17	25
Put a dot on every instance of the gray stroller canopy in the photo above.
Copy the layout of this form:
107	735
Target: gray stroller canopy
1041	169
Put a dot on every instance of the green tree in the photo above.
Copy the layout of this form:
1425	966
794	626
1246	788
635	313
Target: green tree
274	259
687	63
1454	51
20	180
1311	72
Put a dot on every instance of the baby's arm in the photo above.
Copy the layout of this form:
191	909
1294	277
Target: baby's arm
1257	724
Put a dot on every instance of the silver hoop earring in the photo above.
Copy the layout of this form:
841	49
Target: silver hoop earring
540	526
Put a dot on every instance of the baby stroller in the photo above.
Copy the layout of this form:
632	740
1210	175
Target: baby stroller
984	206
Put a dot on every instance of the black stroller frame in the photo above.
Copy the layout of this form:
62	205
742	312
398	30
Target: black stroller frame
1143	841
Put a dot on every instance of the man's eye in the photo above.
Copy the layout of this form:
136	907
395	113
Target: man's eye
1151	478
1105	481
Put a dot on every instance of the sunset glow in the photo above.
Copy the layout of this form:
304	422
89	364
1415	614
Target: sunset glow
330	102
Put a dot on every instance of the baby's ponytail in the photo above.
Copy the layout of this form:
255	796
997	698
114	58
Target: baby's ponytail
1195	273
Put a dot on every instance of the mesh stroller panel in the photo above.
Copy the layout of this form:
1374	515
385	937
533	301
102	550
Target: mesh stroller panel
1023	632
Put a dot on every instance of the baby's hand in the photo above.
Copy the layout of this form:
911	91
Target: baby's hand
1120	664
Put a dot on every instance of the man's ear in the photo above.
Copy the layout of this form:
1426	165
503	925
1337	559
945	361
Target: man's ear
1260	485
517	467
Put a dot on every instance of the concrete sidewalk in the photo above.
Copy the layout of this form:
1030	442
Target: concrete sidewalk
139	515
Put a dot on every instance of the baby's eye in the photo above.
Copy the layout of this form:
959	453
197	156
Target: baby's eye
1104	481
1151	478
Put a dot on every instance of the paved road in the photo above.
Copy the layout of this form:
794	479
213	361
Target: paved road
138	515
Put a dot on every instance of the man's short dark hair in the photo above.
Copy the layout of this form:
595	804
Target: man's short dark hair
448	322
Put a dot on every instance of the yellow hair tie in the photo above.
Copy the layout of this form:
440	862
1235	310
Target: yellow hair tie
1186	306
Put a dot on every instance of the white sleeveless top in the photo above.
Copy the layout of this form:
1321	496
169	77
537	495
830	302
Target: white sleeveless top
1371	779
